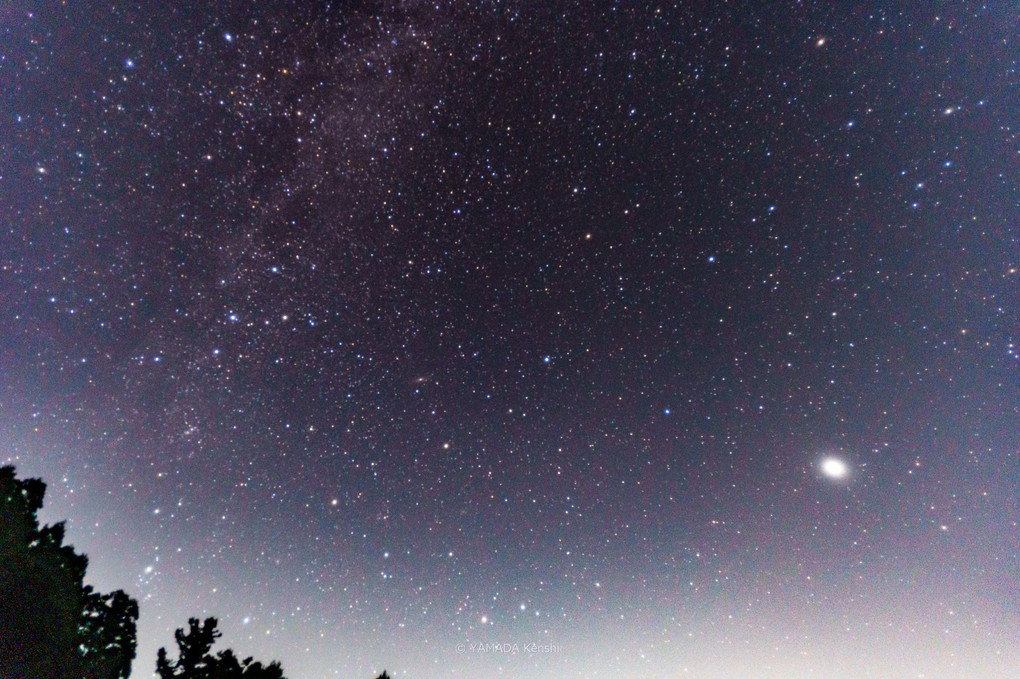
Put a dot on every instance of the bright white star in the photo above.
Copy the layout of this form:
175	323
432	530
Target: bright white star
835	468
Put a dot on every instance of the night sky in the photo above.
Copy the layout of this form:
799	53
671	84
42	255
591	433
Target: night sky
648	340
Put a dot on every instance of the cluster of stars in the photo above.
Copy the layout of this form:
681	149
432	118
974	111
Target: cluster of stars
640	330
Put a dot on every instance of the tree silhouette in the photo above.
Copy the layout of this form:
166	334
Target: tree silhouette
109	623
195	659
51	624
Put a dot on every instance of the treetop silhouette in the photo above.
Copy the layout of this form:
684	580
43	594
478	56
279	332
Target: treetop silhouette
196	661
52	624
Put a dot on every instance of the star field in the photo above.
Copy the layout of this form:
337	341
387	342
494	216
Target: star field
672	341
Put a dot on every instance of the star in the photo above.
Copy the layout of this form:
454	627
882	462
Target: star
835	468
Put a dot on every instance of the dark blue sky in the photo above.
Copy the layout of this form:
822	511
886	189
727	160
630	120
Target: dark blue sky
375	329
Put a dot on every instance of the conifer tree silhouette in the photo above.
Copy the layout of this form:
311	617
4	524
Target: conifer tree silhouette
196	661
51	624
